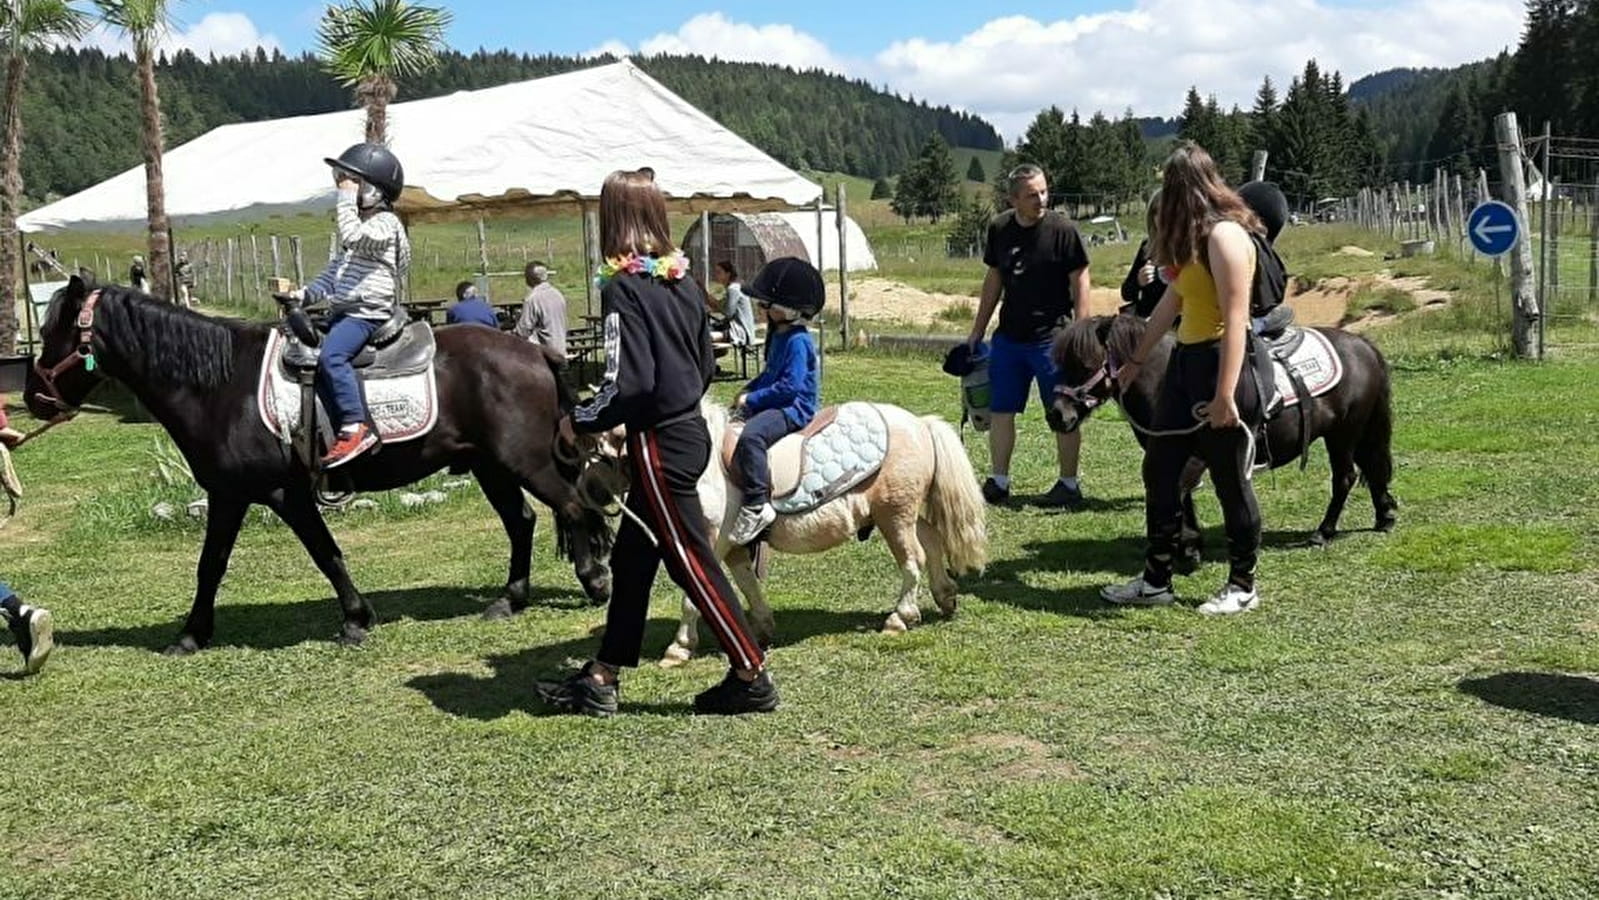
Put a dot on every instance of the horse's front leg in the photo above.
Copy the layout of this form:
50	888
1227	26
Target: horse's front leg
741	563
299	511
224	516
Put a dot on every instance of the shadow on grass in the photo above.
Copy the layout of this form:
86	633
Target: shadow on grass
510	688
273	626
1570	697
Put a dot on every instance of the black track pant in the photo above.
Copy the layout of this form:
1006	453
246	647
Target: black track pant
667	464
1191	379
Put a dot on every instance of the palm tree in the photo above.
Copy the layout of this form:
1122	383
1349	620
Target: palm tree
368	45
145	22
25	26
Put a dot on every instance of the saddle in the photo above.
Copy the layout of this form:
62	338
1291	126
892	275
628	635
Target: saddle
398	347
840	448
1303	365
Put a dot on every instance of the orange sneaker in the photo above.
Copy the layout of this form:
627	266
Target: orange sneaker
351	443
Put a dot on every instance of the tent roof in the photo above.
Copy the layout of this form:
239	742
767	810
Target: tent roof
546	143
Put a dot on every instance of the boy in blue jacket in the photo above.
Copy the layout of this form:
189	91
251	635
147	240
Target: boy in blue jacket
782	399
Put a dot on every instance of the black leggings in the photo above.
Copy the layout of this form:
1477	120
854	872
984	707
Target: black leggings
667	464
1191	379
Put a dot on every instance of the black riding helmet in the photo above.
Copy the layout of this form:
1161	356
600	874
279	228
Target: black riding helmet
791	283
1268	202
374	164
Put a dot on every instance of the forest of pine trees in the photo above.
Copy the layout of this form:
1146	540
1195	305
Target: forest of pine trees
82	117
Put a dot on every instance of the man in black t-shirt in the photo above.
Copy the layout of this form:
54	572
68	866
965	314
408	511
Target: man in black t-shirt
1037	264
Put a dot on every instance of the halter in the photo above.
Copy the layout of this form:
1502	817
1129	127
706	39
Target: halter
1083	395
83	356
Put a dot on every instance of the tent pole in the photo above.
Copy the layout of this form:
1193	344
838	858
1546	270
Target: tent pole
483	257
27	291
591	227
820	231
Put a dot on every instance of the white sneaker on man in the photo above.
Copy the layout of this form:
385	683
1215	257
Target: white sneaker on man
1136	593
1230	600
751	521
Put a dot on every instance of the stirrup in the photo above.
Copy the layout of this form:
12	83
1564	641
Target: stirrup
331	499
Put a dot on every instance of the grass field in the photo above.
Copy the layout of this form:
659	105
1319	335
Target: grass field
1408	715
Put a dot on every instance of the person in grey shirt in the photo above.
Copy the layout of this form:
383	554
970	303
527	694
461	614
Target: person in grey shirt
735	318
543	318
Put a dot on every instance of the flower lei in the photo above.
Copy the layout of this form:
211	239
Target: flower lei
666	268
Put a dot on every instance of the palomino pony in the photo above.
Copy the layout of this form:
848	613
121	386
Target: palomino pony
924	499
498	410
1354	418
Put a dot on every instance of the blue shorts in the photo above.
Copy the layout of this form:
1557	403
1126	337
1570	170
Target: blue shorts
1011	366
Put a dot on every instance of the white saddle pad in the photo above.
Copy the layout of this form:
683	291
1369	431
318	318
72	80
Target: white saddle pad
1315	362
844	453
404	408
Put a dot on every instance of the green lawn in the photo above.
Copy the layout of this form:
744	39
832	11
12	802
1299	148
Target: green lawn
1407	715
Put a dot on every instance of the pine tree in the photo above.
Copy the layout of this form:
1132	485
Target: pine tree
1546	64
1455	134
940	185
1044	144
882	189
974	171
1263	117
1194	123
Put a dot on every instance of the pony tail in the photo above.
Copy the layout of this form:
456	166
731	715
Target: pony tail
955	506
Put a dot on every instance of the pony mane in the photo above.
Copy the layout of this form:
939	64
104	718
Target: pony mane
1085	341
160	342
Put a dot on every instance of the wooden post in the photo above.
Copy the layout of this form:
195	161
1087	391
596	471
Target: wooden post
483	254
591	250
299	261
1593	246
228	269
1460	215
255	268
705	250
1257	166
1551	296
819	198
842	219
1546	203
277	258
1524	301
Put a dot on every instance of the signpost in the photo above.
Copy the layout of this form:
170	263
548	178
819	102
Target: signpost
1493	228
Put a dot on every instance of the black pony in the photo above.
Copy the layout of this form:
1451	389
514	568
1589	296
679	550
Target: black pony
1355	418
498	414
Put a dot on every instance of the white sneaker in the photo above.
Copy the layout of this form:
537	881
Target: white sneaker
1231	599
751	521
1136	593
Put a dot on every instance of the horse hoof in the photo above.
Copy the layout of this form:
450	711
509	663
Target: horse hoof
1320	538
895	625
351	637
1384	526
185	646
676	656
1188	563
501	609
947	606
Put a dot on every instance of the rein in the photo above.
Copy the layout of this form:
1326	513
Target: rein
601	482
1108	374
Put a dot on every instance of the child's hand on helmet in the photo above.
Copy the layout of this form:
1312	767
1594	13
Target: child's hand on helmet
345	182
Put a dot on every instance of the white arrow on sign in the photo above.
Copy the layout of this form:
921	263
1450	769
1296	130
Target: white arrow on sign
1485	232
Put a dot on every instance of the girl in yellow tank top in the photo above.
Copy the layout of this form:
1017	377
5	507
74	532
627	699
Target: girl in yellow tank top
1202	314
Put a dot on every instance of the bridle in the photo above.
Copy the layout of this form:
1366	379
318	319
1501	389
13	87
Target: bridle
1087	394
83	356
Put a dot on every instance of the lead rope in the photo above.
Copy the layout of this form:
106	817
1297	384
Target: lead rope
601	482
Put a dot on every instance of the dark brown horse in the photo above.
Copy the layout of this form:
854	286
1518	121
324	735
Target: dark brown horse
1354	419
498	414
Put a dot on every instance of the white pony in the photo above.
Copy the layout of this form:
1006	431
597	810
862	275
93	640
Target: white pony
925	500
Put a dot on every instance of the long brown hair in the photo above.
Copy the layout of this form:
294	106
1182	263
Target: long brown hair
633	217
1193	199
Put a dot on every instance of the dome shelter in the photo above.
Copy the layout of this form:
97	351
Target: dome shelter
750	240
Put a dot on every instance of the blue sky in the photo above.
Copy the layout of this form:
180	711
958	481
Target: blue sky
1004	61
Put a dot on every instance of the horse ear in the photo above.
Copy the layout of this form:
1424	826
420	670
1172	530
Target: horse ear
76	289
1102	330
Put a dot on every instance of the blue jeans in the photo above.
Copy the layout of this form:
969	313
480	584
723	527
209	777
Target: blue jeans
336	383
760	433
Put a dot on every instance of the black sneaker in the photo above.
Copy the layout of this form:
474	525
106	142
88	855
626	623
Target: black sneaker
735	696
1062	497
579	694
35	635
993	493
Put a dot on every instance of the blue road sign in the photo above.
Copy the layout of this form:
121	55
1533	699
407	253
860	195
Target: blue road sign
1493	228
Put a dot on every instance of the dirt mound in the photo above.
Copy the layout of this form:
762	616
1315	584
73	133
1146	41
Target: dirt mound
884	300
1352	250
1326	303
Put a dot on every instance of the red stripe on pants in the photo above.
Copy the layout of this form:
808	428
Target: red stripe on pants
676	548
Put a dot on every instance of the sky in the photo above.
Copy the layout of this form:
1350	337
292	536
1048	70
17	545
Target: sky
1004	61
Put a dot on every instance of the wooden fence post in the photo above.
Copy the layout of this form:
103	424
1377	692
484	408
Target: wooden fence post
1524	300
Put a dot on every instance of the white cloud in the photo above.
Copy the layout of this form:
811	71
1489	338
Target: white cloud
1144	56
222	33
713	34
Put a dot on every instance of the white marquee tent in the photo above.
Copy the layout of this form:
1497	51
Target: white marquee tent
542	144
